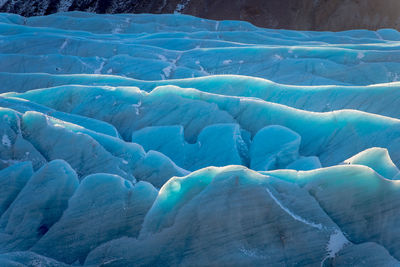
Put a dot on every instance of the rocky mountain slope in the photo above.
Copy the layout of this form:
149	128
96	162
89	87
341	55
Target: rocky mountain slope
333	15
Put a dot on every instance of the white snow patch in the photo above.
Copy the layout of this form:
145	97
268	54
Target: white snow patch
84	63
6	141
278	57
98	71
137	106
19	125
395	77
227	62
360	55
117	29
64	44
202	70
110	71
111	261
241	61
162	58
336	243
216	26
378	35
181	6
294	216
98	96
167	71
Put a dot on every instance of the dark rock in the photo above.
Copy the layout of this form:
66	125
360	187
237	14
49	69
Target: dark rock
332	15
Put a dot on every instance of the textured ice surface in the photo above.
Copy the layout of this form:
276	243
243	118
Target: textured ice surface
39	204
12	180
163	140
104	207
265	220
378	159
274	147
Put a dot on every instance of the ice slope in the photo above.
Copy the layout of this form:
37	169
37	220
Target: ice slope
332	136
153	140
267	221
170	46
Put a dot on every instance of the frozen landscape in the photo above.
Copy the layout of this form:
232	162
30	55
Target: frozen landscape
170	140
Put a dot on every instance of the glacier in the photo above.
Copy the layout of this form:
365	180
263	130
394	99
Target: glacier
170	140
